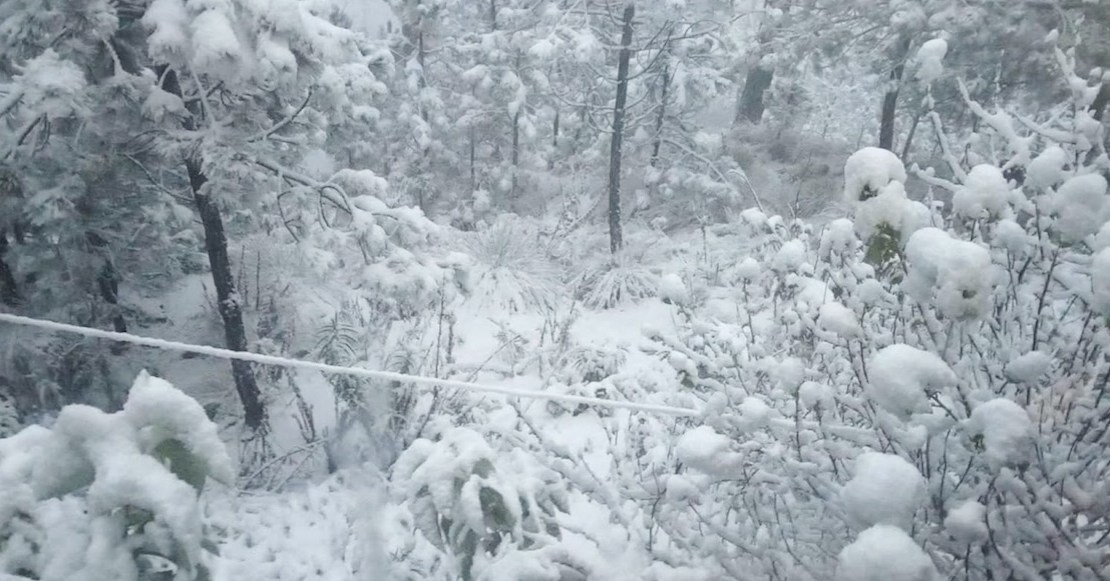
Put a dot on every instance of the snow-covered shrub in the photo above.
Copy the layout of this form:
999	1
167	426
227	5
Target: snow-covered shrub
953	274
513	272
480	506
949	414
111	496
1080	206
611	282
874	185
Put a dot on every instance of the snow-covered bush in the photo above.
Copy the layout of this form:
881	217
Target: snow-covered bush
111	496
480	507
513	272
874	185
950	412
610	282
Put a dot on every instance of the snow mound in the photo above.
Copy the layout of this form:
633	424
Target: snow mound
874	182
967	522
884	553
816	395
789	257
868	171
1102	239
930	60
884	489
839	237
1080	206
748	270
1010	235
902	378
702	447
1047	169
983	194
955	273
892	208
671	288
1100	282
754	413
1029	367
837	318
1006	430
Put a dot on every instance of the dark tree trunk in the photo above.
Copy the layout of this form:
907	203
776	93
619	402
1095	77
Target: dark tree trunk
909	136
555	130
421	57
235	334
513	191
890	99
615	236
657	144
751	97
9	290
215	244
107	281
493	14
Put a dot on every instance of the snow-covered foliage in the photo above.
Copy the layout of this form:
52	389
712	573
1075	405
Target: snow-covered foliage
912	389
884	553
482	508
902	378
930	60
111	496
884	490
957	274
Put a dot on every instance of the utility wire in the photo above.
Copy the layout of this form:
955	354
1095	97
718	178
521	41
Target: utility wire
326	368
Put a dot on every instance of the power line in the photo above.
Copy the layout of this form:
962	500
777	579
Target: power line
338	369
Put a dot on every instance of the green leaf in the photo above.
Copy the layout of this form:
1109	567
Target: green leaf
493	507
185	465
483	468
883	246
136	519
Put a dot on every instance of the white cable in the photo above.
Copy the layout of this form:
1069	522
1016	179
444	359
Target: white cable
355	371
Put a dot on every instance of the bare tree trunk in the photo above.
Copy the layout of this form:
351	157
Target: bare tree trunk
555	130
421	57
662	116
756	84
235	334
514	192
909	136
493	14
616	239
890	99
215	244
